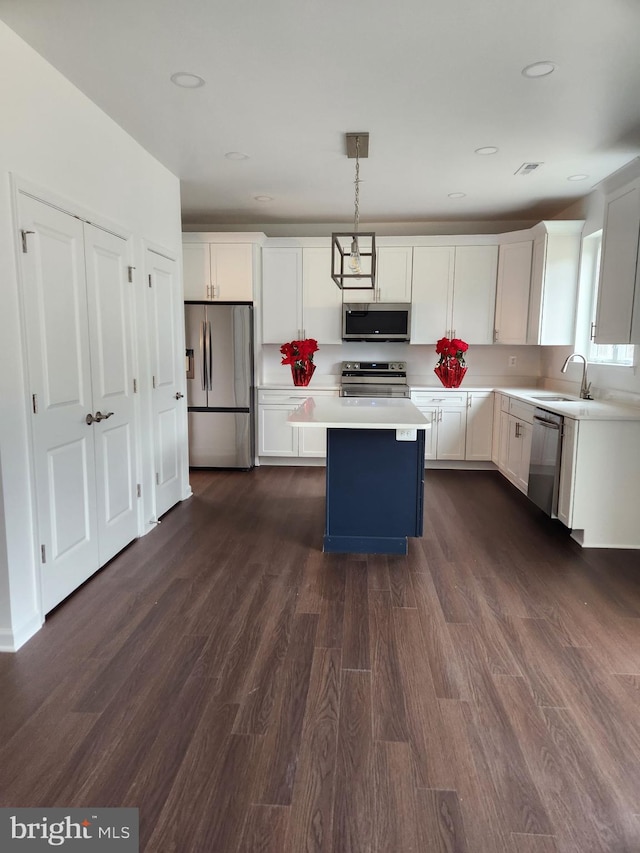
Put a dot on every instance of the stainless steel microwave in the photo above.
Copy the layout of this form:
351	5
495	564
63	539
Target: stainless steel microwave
376	321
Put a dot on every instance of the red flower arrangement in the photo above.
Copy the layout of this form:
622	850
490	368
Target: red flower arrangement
451	366
299	354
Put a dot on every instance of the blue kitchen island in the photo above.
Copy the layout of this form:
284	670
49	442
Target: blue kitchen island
375	471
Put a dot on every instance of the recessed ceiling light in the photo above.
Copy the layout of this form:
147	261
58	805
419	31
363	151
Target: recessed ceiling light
263	197
577	177
186	80
236	155
488	149
539	69
457	195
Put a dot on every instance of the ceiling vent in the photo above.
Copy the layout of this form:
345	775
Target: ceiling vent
527	168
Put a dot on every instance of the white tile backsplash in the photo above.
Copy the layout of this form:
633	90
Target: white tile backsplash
487	365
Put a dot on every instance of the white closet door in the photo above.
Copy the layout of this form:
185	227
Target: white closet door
110	306
167	316
53	271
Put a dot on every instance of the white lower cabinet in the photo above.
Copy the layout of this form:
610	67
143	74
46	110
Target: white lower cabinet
276	438
567	469
600	482
447	412
479	426
512	439
518	452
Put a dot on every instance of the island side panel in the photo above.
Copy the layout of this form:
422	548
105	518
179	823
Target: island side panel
375	491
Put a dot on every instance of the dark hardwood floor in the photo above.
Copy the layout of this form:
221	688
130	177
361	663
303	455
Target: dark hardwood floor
249	693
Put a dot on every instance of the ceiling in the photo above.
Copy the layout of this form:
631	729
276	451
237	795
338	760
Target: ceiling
430	80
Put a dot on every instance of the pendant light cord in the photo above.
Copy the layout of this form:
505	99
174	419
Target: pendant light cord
356	218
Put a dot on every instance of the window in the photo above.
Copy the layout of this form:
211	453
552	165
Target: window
618	354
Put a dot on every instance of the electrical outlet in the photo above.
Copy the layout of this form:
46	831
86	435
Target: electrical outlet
406	435
513	360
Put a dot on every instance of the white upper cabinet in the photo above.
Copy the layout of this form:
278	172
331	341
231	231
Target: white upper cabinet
453	293
321	298
432	293
218	272
618	313
474	293
281	295
554	283
393	277
512	296
299	297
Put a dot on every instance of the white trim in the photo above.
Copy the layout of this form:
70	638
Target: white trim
66	205
11	641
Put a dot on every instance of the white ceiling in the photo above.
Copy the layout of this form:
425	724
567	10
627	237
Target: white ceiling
431	80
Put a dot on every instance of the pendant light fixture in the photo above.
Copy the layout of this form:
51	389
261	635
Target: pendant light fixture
353	253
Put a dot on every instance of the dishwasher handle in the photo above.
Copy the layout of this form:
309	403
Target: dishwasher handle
545	423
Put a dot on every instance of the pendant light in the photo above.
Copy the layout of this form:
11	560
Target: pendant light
353	253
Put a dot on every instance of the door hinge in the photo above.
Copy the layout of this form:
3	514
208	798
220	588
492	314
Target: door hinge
157	479
43	553
153	381
24	240
130	270
150	285
34	401
139	490
135	386
495	336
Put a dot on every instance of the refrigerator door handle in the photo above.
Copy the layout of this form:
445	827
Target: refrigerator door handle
209	358
203	353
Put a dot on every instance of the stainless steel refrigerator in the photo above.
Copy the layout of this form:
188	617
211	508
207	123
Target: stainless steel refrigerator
219	363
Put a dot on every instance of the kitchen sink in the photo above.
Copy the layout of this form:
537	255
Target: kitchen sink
551	399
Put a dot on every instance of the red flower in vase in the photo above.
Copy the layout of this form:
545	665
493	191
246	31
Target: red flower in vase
299	354
451	366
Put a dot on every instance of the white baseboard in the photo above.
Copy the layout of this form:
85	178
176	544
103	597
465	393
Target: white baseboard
11	641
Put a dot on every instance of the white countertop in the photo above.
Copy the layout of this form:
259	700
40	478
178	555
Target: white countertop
574	407
358	413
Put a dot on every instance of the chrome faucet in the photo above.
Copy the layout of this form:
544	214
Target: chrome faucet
585	387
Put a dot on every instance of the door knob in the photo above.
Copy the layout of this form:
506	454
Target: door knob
100	417
89	419
179	396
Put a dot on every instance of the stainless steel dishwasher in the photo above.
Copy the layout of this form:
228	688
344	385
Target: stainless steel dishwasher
544	467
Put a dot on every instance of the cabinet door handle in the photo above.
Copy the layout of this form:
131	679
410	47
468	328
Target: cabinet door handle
517	430
496	334
592	335
469	398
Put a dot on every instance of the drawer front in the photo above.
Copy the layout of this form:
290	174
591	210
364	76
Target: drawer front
442	398
521	411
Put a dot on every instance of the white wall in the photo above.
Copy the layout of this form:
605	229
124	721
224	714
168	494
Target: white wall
606	380
54	137
487	366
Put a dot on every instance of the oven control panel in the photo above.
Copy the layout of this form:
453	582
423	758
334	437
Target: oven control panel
380	367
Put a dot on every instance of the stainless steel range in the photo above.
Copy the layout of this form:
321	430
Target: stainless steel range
374	379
